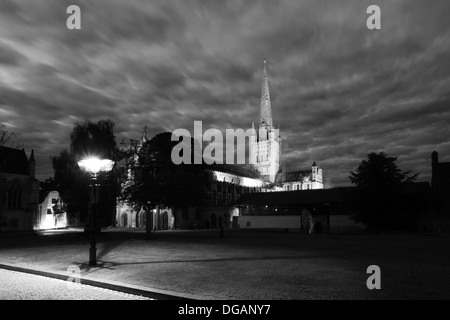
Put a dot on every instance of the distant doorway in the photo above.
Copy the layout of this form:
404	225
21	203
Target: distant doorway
165	221
143	222
124	220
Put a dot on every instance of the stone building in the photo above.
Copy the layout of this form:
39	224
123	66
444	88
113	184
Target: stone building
321	210
19	190
230	182
440	185
52	212
265	152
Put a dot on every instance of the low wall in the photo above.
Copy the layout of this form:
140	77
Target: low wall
338	223
434	223
275	222
343	223
16	220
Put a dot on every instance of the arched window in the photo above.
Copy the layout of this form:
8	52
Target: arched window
15	196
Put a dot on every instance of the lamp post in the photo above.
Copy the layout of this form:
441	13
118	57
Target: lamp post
94	166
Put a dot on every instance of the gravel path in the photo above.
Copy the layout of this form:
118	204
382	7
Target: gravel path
23	286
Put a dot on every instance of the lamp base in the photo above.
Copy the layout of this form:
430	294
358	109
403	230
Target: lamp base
93	256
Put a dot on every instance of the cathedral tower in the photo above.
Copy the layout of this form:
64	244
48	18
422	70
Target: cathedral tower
265	144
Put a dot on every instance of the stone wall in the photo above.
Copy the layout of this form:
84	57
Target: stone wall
434	223
269	221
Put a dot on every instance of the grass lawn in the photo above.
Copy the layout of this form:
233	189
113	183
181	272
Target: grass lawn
249	264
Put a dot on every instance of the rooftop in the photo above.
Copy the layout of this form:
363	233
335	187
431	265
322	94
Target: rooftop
315	196
13	161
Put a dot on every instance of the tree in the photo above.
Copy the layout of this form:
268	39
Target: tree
88	139
94	139
380	171
48	185
379	182
8	138
157	181
97	139
71	183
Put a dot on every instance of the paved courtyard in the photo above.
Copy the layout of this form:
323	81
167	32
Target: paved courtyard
23	286
247	264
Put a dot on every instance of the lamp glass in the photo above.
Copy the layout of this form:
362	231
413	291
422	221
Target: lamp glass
95	165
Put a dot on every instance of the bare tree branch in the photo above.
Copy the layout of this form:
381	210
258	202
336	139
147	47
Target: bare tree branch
8	138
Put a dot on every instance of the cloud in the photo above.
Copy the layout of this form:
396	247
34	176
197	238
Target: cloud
338	90
9	56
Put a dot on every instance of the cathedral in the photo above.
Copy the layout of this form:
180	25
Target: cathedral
265	151
265	143
19	189
230	182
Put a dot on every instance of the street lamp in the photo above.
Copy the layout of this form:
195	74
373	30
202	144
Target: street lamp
94	166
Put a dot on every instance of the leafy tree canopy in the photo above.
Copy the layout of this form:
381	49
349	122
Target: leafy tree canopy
94	139
382	204
379	171
158	181
87	139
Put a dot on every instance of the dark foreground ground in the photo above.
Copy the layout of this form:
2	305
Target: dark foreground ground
24	286
247	264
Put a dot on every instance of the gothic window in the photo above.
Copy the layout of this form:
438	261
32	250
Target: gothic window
15	196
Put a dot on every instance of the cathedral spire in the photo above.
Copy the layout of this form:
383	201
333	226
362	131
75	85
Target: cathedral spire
265	108
142	140
144	134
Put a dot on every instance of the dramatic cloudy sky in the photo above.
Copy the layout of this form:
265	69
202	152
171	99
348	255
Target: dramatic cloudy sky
338	89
